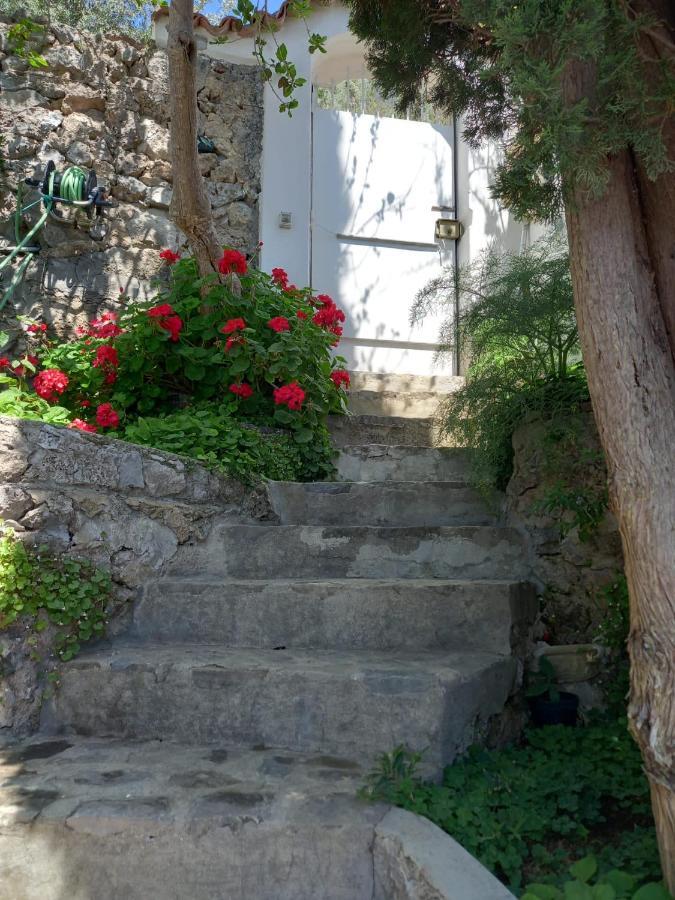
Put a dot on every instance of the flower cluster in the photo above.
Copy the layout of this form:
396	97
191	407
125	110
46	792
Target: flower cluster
280	278
329	316
233	325
279	324
106	327
106	416
169	256
166	318
242	390
290	395
37	328
232	261
340	377
50	383
81	425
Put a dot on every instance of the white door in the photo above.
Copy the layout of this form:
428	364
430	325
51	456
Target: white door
378	186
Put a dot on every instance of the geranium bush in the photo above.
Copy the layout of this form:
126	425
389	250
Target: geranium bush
250	347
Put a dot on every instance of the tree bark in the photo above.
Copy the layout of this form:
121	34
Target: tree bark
190	207
627	353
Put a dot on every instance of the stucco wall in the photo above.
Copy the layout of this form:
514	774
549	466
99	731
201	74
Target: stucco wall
103	102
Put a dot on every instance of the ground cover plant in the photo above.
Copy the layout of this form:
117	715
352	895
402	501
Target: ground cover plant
70	595
206	368
529	811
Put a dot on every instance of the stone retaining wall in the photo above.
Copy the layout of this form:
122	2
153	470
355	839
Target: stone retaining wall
103	102
123	507
569	573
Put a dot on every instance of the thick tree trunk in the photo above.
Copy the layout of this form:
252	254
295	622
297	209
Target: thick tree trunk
190	207
631	374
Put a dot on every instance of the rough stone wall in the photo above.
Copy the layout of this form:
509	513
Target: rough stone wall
102	102
125	508
569	572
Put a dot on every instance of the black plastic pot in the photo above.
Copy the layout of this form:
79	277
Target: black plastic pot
555	712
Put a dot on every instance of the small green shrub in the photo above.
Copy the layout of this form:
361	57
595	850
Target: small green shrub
67	593
524	811
212	436
519	330
206	354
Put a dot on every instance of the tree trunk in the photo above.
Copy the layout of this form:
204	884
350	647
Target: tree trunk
190	207
631	375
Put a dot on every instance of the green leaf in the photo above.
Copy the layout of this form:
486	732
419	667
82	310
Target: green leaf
543	892
577	890
622	882
652	891
585	868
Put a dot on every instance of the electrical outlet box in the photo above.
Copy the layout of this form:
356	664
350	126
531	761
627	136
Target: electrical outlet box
449	229
285	220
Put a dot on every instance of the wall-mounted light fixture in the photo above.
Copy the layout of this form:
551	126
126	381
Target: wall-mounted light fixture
448	229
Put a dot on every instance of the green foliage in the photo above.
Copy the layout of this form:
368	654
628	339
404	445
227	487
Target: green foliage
505	67
20	36
589	884
67	593
612	633
126	16
216	439
578	497
191	369
524	811
17	400
544	681
519	328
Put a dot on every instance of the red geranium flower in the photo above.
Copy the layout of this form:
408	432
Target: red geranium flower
106	356
232	261
104	327
34	360
172	324
169	256
340	377
49	383
290	395
233	325
242	390
280	277
83	426
85	404
106	416
279	323
4	362
301	315
158	312
36	328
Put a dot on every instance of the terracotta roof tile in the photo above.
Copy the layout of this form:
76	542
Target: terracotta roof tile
232	25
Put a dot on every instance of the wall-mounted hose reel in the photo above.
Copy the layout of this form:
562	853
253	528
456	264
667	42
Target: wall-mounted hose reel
72	188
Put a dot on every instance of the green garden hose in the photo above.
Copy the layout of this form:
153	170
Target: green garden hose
71	190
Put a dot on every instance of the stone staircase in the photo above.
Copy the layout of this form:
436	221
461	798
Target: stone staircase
215	749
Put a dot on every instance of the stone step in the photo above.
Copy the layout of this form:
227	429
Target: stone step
315	551
351	614
402	383
402	404
388	503
351	704
394	431
89	819
102	820
382	462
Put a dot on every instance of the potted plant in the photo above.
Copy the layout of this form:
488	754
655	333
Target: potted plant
548	705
